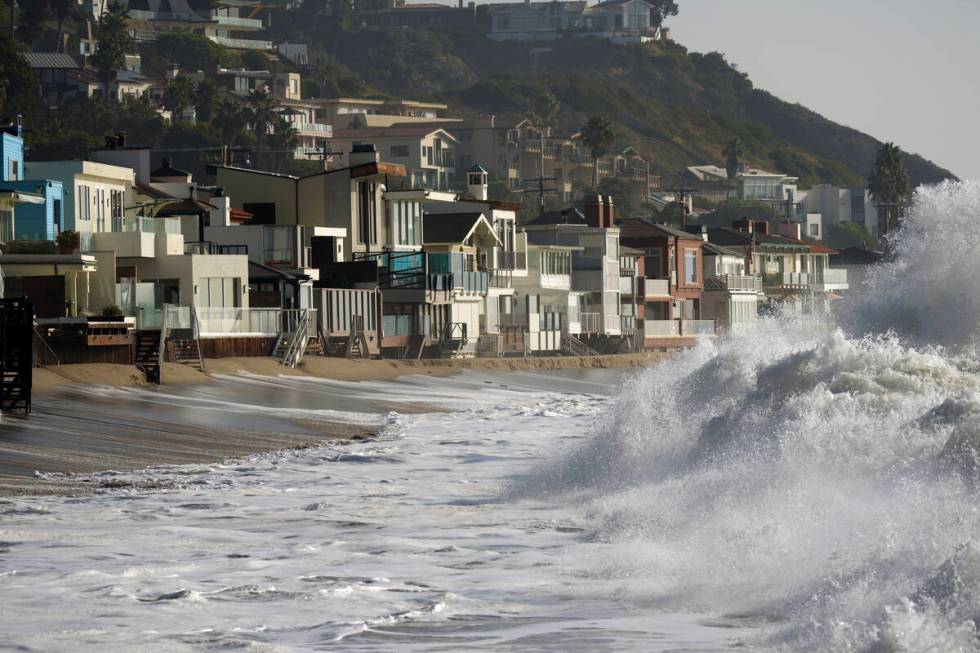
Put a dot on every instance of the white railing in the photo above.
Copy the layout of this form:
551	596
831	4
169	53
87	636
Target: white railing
590	322
245	321
316	127
834	276
241	44
796	279
236	21
143	224
661	328
697	327
656	287
734	282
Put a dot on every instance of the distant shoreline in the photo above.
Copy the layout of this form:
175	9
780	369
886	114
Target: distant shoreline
71	437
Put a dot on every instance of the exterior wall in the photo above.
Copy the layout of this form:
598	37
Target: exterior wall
189	269
12	148
246	187
102	282
137	159
38	221
100	179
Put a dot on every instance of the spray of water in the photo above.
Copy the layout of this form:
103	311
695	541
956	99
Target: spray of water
820	479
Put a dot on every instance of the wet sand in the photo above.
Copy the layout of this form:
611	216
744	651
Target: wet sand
97	417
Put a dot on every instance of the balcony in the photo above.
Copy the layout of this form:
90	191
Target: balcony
734	283
214	249
238	24
830	279
140	237
656	289
314	128
778	281
678	328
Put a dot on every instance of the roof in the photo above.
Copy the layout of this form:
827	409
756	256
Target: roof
259	271
389	132
168	170
150	191
565	216
726	236
184	207
451	227
643	228
50	60
717	250
857	256
815	247
240	214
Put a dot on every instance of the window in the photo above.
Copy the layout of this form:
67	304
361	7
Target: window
56	208
14	170
690	266
219	292
366	207
399	151
116	198
814	229
84	202
262	212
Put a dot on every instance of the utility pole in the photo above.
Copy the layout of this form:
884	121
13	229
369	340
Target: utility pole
540	190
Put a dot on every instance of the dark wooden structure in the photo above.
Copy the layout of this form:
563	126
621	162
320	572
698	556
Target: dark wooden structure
17	349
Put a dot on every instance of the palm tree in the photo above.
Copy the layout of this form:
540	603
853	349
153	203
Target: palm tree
282	141
598	135
890	186
261	113
114	43
733	156
230	121
62	10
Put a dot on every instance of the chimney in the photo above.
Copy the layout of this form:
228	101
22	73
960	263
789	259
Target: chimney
221	213
791	230
595	211
610	212
363	153
744	225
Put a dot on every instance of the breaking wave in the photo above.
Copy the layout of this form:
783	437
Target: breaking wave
819	478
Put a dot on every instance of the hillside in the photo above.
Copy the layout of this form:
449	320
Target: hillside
675	106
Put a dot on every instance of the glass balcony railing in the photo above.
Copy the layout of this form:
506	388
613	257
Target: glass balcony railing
143	224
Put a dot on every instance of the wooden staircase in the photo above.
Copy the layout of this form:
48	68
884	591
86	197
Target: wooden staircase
415	346
291	346
575	347
147	357
17	361
453	340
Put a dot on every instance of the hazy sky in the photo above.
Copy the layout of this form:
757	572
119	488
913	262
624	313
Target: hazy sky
901	70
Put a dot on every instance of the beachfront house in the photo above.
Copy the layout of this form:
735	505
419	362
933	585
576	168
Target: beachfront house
673	284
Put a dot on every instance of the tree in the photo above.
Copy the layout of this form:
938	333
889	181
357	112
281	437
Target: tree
192	52
890	186
598	135
205	99
661	10
282	141
18	85
30	22
178	95
261	113
733	156
849	234
230	120
114	42
62	10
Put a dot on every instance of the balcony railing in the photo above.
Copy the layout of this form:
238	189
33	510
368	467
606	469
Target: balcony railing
209	248
786	280
832	276
314	127
627	323
697	327
236	22
661	328
752	283
590	322
143	224
656	288
398	325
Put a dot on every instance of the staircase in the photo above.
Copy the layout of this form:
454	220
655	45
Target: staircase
415	346
147	358
453	340
291	346
575	347
17	348
185	348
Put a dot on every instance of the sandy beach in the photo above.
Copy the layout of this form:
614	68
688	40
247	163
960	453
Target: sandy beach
96	417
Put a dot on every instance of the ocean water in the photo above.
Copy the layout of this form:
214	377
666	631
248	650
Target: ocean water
810	486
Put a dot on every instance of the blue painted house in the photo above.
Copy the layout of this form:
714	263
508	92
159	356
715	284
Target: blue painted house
33	221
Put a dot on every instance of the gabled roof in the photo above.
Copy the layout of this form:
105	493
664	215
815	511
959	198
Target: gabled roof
50	60
718	250
857	256
150	191
168	170
643	228
390	132
453	228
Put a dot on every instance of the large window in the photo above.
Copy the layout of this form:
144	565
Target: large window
219	292
116	197
406	222
690	266
366	209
